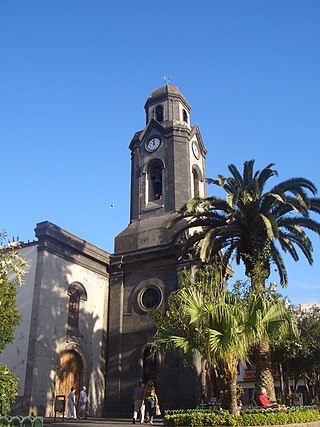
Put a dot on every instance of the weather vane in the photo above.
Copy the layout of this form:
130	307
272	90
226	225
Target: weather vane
166	78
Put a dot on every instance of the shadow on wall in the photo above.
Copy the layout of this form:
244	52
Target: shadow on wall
67	332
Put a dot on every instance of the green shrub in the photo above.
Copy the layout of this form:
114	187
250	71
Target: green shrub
255	417
8	389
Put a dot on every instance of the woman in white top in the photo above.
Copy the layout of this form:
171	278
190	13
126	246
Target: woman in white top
72	405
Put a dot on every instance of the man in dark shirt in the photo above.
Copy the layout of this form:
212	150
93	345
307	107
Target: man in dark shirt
138	403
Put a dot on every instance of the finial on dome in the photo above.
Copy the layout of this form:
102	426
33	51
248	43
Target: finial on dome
167	79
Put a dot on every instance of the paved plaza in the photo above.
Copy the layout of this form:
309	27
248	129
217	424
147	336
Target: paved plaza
96	422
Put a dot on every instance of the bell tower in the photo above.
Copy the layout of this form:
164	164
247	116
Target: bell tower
167	169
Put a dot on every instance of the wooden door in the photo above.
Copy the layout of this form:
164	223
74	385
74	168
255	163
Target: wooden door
70	371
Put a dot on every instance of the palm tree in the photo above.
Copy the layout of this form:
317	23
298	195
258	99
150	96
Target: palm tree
221	330
252	225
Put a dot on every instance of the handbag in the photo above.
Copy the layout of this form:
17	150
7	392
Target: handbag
158	412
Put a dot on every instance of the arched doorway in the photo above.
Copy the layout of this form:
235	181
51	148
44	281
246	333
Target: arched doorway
149	365
70	372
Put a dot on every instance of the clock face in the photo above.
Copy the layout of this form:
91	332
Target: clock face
153	144
195	150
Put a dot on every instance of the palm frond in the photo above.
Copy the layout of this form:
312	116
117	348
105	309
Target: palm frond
295	184
236	174
269	226
248	173
314	204
278	260
264	175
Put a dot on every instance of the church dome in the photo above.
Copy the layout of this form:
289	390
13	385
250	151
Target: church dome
164	90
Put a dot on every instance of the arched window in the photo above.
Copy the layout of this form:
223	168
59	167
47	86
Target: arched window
76	293
196	182
73	312
185	116
159	113
149	365
155	181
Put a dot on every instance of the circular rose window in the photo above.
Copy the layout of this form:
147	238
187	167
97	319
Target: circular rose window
150	298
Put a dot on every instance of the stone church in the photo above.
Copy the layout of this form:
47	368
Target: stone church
85	311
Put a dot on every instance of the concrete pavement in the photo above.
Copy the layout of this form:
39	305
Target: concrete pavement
97	422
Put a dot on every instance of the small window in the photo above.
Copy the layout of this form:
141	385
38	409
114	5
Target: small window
185	116
155	182
159	113
196	182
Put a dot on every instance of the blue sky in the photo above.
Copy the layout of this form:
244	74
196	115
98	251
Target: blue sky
75	76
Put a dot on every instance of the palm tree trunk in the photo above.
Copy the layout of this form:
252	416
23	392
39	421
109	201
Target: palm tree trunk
233	390
263	352
264	369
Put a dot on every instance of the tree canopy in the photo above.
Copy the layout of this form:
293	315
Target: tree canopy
12	269
222	329
11	275
300	355
252	223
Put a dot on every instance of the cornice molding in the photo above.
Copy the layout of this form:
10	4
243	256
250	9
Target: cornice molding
60	242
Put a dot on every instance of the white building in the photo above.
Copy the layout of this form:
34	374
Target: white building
61	339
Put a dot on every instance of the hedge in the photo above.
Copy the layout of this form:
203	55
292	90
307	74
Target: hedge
254	417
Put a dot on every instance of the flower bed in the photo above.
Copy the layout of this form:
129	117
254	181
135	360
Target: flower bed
248	417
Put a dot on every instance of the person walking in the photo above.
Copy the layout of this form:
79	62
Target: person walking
82	406
138	403
150	400
72	405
